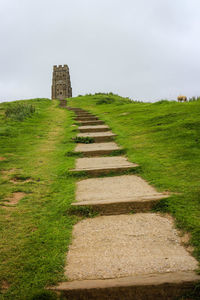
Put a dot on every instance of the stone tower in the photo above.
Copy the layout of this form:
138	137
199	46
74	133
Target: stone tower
61	84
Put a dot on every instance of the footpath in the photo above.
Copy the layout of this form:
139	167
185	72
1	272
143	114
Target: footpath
127	251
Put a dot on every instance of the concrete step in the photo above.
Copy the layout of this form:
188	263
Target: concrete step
90	118
97	149
103	165
127	257
76	109
88	123
83	114
143	287
99	137
97	128
117	195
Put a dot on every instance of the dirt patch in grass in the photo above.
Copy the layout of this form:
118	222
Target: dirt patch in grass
17	180
185	241
2	158
186	238
4	286
15	198
6	173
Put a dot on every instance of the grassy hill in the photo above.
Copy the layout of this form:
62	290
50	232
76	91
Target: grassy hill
36	188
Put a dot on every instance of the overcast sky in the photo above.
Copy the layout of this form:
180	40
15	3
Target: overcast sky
143	49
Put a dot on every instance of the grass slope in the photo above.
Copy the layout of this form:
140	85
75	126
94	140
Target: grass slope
36	152
164	139
35	232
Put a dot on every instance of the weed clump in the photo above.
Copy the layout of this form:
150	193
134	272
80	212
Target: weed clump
105	100
19	112
45	295
83	140
85	211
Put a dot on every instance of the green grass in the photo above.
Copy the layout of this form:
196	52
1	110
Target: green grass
36	153
164	139
35	233
19	111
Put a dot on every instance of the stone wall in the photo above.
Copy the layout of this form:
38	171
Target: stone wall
61	84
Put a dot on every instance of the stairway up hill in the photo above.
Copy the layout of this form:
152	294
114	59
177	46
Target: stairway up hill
127	251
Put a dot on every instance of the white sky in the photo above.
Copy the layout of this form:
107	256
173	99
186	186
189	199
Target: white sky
144	49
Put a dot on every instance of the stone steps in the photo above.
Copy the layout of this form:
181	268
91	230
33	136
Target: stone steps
83	114
103	165
88	123
97	149
97	128
136	256
123	253
89	118
63	103
99	137
76	109
117	195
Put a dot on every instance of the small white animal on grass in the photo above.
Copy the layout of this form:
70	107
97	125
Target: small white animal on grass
181	98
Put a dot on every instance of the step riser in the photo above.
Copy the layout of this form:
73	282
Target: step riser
103	139
84	115
76	110
87	119
97	153
96	172
120	208
82	130
167	291
86	123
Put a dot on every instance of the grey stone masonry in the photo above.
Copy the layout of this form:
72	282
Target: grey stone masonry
61	84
